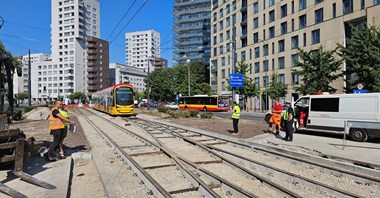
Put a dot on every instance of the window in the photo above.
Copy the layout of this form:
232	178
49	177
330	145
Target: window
221	13
223	73
221	37
281	78
334	10
271	2
265	81
284	11
271	32
292	7
265	49
302	20
256	22
215	17
315	36
324	104
242	55
221	25
281	63
228	47
215	28
257	67
234	5
284	28
255	37
294	40
257	82
215	52
271	16
227	35
302	4
228	9
348	6
281	45
295	59
228	22
295	79
255	8
292	24
375	2
266	66
223	61
319	16
257	52
234	19
304	39
221	49
318	1
215	40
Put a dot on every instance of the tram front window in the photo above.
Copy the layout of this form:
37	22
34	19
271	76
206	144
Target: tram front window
124	96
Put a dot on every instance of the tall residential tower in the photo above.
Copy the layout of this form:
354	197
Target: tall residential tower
192	31
140	46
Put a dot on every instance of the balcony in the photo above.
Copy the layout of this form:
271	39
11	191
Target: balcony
92	75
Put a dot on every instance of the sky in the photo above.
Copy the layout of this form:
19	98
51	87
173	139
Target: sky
27	25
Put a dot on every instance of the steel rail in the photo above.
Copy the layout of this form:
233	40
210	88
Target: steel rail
333	190
149	182
350	170
194	180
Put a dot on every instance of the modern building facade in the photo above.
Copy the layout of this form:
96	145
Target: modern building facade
267	34
192	31
97	64
160	64
140	46
120	73
71	24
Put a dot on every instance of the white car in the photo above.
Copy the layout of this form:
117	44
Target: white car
172	105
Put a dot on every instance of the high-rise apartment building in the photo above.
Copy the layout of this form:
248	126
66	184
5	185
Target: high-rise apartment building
140	46
192	31
72	22
267	34
97	64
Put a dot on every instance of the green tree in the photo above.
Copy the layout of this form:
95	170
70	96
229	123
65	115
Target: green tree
23	95
277	89
166	83
249	89
78	95
318	69
362	57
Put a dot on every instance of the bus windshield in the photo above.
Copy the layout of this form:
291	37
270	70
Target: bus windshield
124	96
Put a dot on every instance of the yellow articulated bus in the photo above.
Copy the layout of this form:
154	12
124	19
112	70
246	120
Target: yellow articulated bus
115	100
204	102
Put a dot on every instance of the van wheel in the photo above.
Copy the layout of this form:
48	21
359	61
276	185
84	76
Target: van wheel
359	135
204	108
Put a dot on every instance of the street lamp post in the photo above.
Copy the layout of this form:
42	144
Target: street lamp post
266	77
148	81
188	72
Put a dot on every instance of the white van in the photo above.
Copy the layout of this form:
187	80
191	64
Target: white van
328	113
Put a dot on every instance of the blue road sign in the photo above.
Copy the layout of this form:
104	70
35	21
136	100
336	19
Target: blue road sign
359	91
236	80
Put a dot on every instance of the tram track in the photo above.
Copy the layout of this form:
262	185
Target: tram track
327	187
214	171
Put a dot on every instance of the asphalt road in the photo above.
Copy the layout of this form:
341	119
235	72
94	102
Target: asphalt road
243	116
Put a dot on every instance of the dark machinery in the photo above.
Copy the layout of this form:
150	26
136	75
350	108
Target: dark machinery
13	144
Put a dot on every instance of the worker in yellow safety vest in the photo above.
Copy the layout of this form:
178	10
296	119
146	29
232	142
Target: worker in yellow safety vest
235	118
56	127
65	114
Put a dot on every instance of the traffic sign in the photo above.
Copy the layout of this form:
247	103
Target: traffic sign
236	80
359	91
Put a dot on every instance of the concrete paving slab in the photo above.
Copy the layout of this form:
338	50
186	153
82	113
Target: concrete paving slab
55	173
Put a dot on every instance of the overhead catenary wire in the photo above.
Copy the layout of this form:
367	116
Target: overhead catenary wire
122	18
130	20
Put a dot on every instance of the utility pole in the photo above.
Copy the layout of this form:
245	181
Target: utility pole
29	82
149	59
233	42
